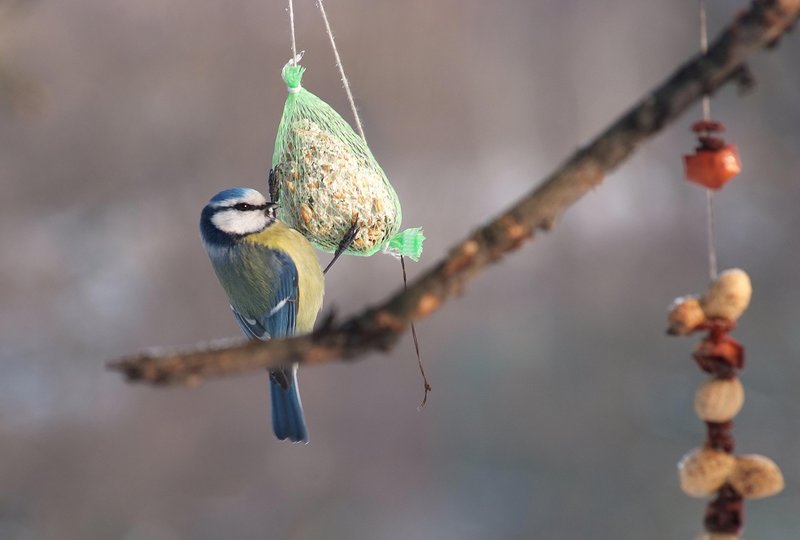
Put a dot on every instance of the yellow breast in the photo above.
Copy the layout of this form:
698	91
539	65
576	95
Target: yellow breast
309	274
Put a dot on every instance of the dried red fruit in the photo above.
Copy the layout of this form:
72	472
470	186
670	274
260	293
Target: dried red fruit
725	513
720	436
708	126
720	355
714	161
712	168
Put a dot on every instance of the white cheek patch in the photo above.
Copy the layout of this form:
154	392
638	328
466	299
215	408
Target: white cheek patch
236	222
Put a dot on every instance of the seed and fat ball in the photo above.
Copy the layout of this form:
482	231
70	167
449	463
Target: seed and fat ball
328	189
326	180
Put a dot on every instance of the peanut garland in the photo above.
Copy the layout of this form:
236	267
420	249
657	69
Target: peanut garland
714	469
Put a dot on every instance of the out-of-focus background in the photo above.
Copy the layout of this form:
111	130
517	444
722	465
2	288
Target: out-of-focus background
559	407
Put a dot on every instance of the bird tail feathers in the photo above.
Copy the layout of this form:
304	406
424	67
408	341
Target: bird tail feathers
288	421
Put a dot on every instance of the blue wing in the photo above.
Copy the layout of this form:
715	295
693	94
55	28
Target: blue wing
280	311
278	320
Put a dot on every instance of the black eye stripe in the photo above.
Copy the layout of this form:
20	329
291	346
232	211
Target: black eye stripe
246	207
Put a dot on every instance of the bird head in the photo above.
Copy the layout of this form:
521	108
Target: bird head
237	212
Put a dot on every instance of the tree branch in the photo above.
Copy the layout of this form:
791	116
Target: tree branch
378	328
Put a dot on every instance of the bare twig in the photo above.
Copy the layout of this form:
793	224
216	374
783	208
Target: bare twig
378	328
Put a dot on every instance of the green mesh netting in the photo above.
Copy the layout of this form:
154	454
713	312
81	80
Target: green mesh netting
325	178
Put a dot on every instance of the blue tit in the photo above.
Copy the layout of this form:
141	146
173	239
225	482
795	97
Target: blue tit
274	283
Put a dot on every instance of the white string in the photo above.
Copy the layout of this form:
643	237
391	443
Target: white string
291	27
341	71
712	250
704	50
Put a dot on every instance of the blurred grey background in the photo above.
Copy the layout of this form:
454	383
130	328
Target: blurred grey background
559	407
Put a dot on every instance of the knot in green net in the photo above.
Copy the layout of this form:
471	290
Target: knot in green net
292	74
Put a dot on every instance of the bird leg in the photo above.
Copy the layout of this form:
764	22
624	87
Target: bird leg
346	242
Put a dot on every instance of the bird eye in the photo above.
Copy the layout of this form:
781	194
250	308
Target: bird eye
243	207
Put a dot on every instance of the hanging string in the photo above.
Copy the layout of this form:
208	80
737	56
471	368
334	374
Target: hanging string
712	250
291	28
339	65
704	50
360	128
